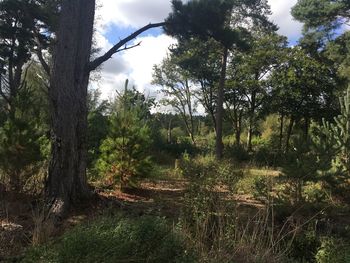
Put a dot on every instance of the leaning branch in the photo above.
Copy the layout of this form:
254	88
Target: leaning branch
117	48
39	53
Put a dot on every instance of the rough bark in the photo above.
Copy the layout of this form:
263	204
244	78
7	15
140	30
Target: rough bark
220	109
66	182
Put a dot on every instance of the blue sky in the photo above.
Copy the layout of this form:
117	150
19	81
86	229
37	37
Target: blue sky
116	19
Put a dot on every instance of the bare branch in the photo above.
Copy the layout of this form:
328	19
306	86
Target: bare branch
2	94
45	66
117	48
39	53
129	47
23	84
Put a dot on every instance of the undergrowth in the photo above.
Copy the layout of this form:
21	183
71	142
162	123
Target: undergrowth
118	239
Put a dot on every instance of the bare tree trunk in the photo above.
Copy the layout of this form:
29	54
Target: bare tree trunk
239	128
251	122
289	133
281	132
306	127
169	137
66	182
220	108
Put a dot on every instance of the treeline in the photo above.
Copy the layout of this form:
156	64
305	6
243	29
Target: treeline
236	89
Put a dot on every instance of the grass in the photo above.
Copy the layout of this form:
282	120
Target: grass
116	239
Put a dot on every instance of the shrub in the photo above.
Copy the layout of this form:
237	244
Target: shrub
145	239
333	250
207	215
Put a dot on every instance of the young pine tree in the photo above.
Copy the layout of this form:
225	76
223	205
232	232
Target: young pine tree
337	135
125	152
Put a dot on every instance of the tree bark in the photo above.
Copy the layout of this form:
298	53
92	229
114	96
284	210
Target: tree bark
281	132
169	137
66	182
220	108
251	121
289	133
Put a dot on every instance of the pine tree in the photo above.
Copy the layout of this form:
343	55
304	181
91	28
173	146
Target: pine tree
339	135
22	140
125	152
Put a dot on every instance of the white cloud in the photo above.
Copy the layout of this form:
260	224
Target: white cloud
137	64
132	13
282	17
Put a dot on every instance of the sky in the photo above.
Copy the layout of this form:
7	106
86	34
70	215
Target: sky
116	19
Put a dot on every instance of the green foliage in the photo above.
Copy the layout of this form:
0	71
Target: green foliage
98	126
339	52
305	246
304	163
296	86
336	137
333	250
325	13
308	246
261	188
118	239
125	152
206	214
23	144
221	13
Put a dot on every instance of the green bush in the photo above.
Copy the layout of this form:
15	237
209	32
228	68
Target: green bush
305	246
207	214
261	189
237	153
145	239
333	250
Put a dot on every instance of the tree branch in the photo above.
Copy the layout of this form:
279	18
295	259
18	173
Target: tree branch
116	48
43	63
2	94
39	53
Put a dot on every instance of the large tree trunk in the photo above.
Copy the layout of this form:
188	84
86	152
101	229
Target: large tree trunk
220	108
66	181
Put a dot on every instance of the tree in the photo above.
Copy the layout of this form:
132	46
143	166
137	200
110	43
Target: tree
301	88
125	152
224	26
251	73
338	133
98	125
323	21
21	140
71	67
338	51
178	91
322	14
201	61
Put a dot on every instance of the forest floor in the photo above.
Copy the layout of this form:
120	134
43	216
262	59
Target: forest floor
159	197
